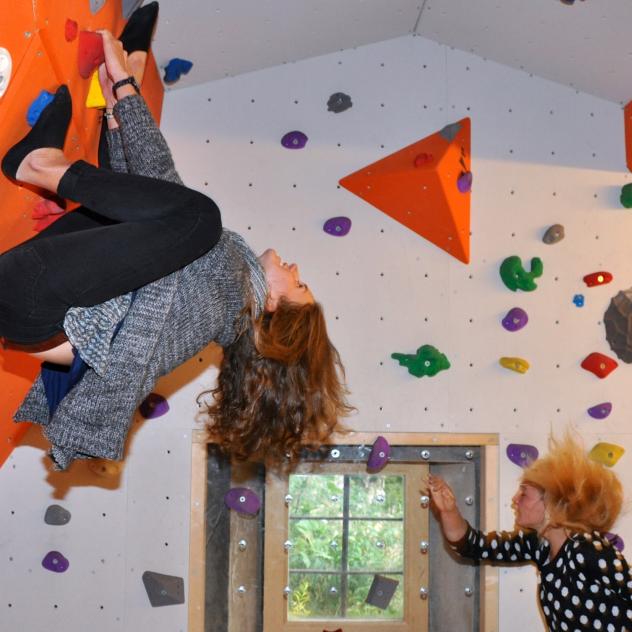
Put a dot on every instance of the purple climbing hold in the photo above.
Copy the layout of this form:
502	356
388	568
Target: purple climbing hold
153	406
56	562
337	226
242	500
615	540
522	454
515	319
464	182
600	411
37	105
294	140
380	453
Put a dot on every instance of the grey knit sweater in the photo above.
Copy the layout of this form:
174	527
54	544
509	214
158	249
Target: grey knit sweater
169	321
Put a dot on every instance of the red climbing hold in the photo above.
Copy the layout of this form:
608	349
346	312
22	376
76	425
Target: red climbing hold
71	30
597	278
423	159
599	364
45	212
90	52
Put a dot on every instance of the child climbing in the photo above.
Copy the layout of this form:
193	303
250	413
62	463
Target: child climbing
140	278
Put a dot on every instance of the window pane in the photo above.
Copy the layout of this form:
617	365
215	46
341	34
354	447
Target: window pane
376	496
359	589
316	544
312	596
376	545
316	494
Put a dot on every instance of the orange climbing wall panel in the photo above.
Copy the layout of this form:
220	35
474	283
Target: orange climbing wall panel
417	186
627	113
34	35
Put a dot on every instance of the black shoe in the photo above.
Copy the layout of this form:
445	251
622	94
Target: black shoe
139	28
49	131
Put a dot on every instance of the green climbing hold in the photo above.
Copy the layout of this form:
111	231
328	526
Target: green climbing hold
515	277
626	195
427	361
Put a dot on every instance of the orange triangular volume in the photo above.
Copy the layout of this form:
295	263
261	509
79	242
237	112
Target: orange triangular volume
417	186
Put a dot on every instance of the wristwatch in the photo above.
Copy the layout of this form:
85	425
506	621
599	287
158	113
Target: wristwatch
123	82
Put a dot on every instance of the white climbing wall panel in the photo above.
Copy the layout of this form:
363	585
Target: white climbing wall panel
541	154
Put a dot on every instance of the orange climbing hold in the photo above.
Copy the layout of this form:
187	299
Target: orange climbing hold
90	52
419	187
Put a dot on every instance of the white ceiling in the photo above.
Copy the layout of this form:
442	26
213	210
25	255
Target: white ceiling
587	45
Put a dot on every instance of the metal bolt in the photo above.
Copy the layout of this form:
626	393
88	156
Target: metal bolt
335	453
423	592
241	590
469	454
286	591
242	544
379	544
380	498
425	501
423	546
288	499
425	454
469	500
469	591
333	590
287	545
333	544
334	498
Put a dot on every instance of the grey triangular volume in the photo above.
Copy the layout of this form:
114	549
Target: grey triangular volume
129	6
163	590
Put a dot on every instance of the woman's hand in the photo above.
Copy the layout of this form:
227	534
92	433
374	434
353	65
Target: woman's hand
106	87
115	58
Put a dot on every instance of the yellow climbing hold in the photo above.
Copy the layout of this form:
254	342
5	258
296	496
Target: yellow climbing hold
606	453
95	98
520	365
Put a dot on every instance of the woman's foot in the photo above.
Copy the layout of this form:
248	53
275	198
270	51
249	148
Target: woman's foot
48	133
43	167
136	35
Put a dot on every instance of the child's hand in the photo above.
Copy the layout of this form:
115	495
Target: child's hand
441	494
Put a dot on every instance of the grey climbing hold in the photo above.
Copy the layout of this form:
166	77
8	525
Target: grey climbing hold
96	6
381	591
617	321
163	590
553	234
450	131
56	515
339	102
129	6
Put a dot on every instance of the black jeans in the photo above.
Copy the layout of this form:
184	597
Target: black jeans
129	231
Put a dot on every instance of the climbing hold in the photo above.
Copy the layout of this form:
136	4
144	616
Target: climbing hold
380	453
90	52
96	6
606	453
553	234
37	106
406	183
294	140
600	411
597	278
129	6
615	540
515	277
339	102
464	182
515	319
153	406
56	562
599	364
5	69
337	226
242	500
519	365
522	454
176	68
105	468
427	361
381	591
578	300
70	30
163	590
423	160
45	212
56	515
618	323
95	98
626	195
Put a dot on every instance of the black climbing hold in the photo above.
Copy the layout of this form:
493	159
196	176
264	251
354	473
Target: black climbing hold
339	102
163	590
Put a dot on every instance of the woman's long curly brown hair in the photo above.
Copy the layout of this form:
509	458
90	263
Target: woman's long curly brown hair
280	387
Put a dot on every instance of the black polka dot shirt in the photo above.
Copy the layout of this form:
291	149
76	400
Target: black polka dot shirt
586	586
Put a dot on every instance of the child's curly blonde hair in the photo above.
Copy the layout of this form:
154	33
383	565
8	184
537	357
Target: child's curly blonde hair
580	494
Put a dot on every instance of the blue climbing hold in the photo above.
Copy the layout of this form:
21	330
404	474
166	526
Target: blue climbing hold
176	68
36	107
578	299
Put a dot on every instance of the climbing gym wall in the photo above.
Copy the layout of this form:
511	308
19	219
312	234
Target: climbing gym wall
540	154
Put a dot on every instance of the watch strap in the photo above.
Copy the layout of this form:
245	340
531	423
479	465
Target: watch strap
123	82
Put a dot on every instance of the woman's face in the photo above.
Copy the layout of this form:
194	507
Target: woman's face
528	505
284	281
